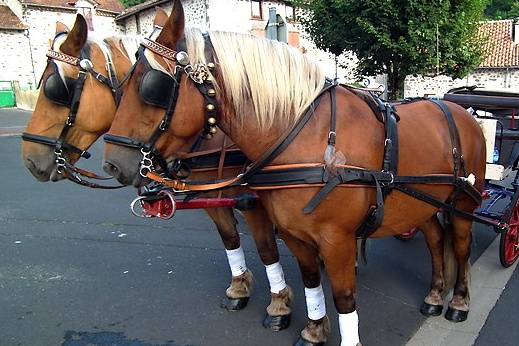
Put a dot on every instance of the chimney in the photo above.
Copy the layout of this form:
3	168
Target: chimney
515	30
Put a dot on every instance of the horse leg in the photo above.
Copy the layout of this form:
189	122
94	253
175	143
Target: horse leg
262	230
339	260
318	328
461	231
238	292
433	302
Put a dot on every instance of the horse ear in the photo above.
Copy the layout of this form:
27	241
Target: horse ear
173	30
60	27
161	17
76	38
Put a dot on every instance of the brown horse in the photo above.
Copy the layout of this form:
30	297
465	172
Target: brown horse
94	116
263	89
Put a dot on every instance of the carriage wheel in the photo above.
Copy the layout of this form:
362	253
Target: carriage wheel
509	244
407	235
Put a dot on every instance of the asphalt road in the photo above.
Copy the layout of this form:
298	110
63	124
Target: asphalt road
76	268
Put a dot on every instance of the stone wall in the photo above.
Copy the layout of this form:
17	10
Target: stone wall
142	22
15	60
235	15
488	78
42	27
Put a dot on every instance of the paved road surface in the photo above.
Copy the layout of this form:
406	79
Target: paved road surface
76	268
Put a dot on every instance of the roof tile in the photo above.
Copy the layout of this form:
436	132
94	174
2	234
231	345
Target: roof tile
500	49
9	20
105	5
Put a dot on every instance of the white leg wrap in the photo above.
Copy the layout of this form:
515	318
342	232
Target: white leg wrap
315	304
236	260
276	277
349	327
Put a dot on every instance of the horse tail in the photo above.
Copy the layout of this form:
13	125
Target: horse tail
450	264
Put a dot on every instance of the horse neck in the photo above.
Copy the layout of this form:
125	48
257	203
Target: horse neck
252	139
119	55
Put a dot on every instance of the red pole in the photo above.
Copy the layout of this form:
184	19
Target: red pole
203	203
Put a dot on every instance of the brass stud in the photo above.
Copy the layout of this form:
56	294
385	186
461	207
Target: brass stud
208	136
212	130
210	107
211	65
211	121
211	92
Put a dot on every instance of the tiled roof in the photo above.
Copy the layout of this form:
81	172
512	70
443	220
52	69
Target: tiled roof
140	7
500	49
113	6
9	20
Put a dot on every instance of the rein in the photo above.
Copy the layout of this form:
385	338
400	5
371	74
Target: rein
86	67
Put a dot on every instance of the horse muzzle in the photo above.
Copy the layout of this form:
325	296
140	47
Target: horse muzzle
123	171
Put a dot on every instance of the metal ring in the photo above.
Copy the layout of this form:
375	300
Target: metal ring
132	208
144	169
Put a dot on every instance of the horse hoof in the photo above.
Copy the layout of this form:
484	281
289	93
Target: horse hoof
431	310
276	323
455	315
303	342
234	304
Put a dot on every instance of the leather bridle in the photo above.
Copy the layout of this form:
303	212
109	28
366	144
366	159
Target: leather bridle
85	67
157	81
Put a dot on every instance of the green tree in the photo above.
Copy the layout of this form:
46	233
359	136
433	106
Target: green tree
398	37
501	9
514	10
130	3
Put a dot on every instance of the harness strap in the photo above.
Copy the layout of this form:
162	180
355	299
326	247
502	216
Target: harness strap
74	174
263	161
286	139
455	139
332	135
449	208
178	185
28	137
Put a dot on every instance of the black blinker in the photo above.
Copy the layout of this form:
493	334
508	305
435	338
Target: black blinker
156	88
56	91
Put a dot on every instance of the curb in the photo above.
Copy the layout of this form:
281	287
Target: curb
489	280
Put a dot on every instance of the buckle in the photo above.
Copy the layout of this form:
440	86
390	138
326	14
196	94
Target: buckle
162	125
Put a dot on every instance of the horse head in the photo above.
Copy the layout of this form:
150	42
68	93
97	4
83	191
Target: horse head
159	98
77	99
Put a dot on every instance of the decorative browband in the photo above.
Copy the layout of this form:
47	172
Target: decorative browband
63	57
159	49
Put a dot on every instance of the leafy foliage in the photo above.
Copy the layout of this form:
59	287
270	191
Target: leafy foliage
502	9
398	37
130	3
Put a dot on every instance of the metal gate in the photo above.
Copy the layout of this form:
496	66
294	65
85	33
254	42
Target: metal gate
7	98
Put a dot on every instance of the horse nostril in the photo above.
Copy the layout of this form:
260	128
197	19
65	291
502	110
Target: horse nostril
111	169
29	164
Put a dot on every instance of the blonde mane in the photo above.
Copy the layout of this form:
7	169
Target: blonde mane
268	78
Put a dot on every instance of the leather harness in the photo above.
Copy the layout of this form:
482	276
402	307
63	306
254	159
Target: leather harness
85	66
261	175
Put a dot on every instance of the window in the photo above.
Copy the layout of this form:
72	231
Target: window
256	9
290	13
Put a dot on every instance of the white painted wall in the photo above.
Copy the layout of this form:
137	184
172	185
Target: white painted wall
42	27
15	62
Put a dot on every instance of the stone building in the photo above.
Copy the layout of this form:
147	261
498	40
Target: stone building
499	69
15	62
234	15
27	25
